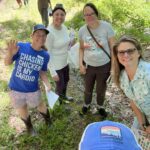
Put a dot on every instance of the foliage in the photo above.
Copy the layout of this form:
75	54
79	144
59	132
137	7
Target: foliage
130	17
77	21
127	17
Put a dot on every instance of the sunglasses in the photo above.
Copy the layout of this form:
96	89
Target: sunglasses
129	51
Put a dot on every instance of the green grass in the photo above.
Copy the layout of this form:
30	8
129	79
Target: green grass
67	127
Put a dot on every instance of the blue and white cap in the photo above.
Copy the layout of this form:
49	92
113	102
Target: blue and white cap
108	135
40	27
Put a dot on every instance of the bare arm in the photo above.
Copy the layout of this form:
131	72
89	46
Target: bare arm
138	114
81	55
12	49
111	42
49	45
44	78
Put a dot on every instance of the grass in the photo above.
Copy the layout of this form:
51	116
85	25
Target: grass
67	127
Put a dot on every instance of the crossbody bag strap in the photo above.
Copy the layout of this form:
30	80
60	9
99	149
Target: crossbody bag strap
98	43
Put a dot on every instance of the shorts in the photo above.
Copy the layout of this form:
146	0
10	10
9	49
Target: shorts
20	99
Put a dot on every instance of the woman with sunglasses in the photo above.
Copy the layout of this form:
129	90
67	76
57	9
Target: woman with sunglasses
57	43
132	74
95	60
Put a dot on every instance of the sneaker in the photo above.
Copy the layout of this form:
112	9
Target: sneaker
65	99
84	110
102	112
68	98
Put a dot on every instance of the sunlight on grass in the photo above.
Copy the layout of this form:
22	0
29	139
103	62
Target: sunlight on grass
4	100
67	126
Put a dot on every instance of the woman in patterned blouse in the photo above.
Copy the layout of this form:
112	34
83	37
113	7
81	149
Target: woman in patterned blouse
132	74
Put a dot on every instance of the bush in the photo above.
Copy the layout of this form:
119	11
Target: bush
127	17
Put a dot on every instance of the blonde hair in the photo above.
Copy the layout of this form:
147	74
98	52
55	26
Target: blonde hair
116	66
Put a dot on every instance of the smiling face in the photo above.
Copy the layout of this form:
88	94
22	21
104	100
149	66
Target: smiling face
38	39
89	15
58	17
127	54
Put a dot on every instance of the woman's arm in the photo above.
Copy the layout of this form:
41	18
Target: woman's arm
111	42
139	114
81	55
49	45
44	78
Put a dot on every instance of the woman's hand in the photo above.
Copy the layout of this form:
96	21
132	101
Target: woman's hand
48	87
82	69
86	45
56	78
12	47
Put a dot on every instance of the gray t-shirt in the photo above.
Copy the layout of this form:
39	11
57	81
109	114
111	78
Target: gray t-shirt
95	56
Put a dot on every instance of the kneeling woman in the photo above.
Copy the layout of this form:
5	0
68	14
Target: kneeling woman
132	74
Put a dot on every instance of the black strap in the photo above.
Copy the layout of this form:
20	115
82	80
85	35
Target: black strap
98	43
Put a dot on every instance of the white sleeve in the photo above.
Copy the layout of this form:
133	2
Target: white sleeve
49	45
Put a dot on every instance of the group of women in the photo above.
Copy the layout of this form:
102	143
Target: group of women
98	50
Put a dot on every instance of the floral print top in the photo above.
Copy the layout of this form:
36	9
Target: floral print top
138	89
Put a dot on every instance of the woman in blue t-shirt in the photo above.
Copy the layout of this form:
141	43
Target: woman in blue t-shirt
31	61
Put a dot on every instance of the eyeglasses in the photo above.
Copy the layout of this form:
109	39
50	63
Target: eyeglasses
88	15
129	51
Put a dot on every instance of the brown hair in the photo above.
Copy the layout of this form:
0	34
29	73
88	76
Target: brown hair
116	66
58	6
91	5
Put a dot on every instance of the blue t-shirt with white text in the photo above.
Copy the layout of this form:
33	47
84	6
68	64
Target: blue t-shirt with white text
28	64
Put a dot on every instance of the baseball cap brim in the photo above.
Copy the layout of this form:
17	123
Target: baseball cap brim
40	27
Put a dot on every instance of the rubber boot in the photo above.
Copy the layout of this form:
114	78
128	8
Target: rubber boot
47	118
29	126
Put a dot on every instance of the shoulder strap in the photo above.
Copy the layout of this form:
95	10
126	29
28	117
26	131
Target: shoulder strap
98	43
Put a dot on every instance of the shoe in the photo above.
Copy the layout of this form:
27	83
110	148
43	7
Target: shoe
69	98
65	99
102	112
84	110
